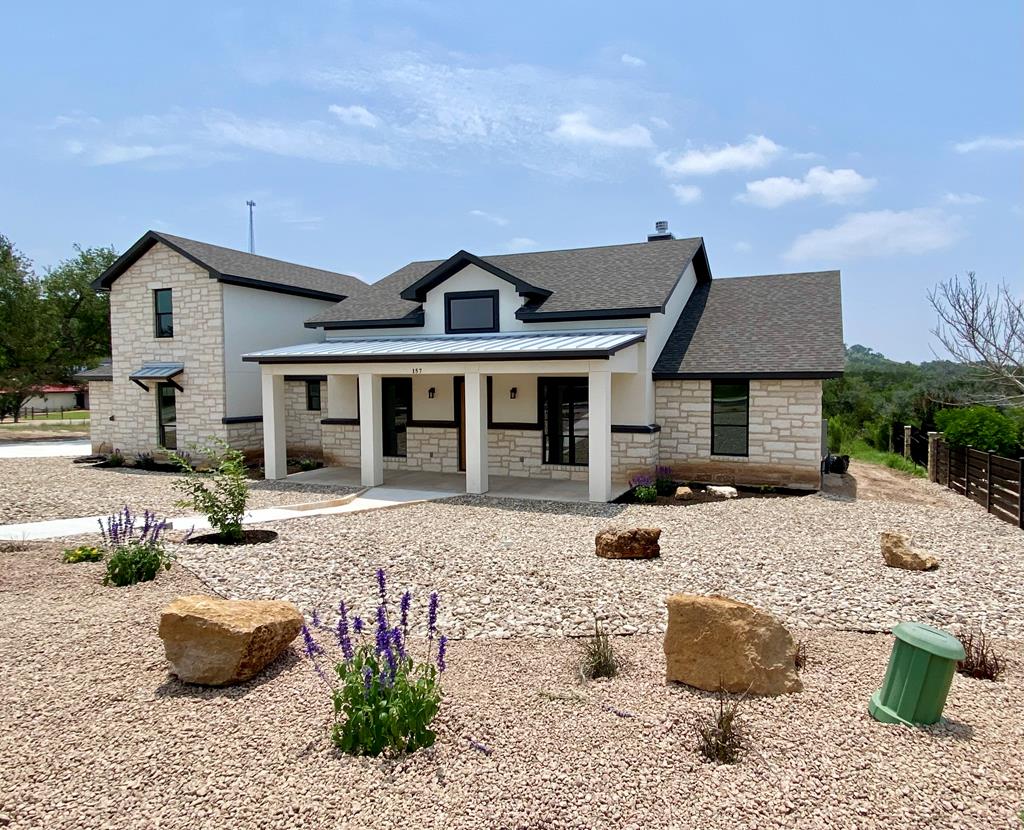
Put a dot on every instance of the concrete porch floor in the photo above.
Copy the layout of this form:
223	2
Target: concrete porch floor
502	487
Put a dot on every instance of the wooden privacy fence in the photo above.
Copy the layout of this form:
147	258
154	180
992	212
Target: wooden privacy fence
994	482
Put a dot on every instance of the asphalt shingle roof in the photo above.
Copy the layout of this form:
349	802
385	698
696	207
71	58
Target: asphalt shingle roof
781	324
612	277
243	268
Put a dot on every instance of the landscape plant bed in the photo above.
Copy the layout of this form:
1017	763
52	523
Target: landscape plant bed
249	537
702	496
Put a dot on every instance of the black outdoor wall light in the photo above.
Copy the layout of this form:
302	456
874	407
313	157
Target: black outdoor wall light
430	392
512	393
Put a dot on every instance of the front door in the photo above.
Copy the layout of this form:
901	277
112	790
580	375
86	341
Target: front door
460	417
167	416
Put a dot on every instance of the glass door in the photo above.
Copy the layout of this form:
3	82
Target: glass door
167	416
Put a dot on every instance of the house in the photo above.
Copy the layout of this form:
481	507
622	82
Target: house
182	313
589	365
54	397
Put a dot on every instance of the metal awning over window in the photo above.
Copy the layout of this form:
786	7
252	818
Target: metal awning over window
153	372
532	346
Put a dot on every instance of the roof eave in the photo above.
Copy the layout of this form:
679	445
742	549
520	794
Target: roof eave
822	374
398	322
418	290
279	288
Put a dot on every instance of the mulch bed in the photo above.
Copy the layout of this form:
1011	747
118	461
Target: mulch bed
249	537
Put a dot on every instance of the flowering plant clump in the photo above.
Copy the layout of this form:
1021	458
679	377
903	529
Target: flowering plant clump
384	699
644	488
663	480
83	553
136	552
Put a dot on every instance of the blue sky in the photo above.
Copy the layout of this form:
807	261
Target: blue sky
884	139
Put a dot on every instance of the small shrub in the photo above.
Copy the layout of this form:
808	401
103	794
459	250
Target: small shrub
645	490
663	480
145	461
83	553
718	738
115	458
982	427
835	435
982	661
597	657
307	464
136	554
384	699
221	496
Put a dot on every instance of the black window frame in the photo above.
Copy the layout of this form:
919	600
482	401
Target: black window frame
389	426
719	384
470	295
313	396
551	440
158	316
161	388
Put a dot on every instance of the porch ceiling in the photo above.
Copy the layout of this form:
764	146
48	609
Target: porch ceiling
526	346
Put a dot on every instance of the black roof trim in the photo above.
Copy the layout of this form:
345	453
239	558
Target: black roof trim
278	288
434	357
242	419
417	292
745	375
531	316
639	429
414	319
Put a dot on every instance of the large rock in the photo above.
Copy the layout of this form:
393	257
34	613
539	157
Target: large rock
213	641
684	493
722	491
718	643
898	553
628	543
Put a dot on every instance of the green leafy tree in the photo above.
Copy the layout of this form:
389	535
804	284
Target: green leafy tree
220	495
981	427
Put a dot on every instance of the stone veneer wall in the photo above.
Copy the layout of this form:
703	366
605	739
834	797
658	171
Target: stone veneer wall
101	407
518	453
198	343
633	453
784	444
341	444
303	433
247	437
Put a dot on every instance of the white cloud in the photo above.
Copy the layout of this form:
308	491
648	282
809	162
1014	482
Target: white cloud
830	185
576	127
122	153
490	217
878	233
990	142
519	243
355	116
633	60
687	194
660	123
756	151
962	199
742	247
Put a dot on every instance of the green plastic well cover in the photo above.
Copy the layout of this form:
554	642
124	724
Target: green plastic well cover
928	638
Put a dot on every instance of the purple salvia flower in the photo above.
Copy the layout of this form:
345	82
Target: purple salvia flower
398	642
382	585
442	650
432	615
406	603
315	619
358	625
342	631
310	646
367	678
480	747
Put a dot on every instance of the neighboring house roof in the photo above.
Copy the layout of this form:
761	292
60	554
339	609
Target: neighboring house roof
51	389
781	325
609	282
105	371
239	268
530	346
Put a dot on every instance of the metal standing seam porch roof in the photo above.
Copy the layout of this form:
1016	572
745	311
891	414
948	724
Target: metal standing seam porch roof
530	346
156	371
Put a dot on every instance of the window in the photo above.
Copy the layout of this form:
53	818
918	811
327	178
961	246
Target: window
396	406
565	420
470	311
729	415
167	416
163	313
313	395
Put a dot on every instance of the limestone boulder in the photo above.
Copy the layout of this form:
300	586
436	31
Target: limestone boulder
722	491
717	643
683	493
215	642
628	543
898	553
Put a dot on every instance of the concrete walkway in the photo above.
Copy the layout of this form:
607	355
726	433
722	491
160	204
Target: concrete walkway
376	498
44	449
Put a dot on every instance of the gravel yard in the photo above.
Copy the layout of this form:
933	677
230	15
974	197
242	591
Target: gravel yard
54	488
528	568
94	733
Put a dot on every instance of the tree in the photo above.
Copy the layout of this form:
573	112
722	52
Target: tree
26	333
983	328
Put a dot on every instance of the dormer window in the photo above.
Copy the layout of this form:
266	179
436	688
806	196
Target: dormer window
467	312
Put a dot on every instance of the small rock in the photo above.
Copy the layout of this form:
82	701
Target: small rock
898	553
722	491
684	493
628	543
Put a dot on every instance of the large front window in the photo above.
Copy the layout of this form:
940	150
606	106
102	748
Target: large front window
565	419
470	311
396	406
729	417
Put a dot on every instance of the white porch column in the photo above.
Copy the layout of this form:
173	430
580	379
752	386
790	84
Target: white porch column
371	442
335	401
275	454
600	422
476	433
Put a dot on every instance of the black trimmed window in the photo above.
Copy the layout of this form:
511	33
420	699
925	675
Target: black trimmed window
163	313
730	416
313	396
466	312
565	420
167	415
396	408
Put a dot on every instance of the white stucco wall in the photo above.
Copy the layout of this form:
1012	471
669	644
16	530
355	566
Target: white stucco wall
255	320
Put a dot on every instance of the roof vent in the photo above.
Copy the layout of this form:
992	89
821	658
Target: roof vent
660	231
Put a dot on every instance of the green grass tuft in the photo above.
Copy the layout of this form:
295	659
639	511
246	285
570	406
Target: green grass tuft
860	450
